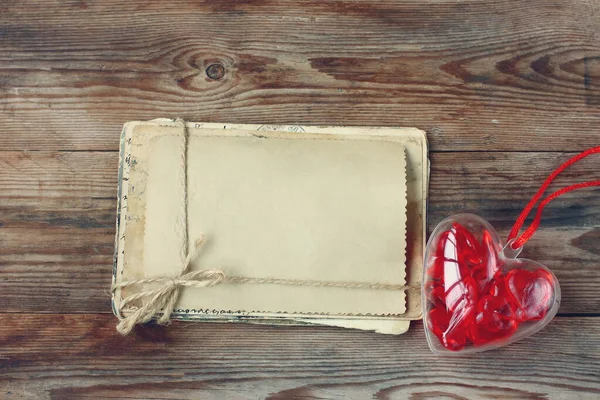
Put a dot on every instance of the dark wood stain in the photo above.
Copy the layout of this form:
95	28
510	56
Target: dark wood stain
591	86
588	241
104	221
215	71
232	7
421	391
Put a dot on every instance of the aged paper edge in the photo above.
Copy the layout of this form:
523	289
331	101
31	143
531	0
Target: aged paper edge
414	278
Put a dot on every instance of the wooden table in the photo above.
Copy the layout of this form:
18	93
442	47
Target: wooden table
506	91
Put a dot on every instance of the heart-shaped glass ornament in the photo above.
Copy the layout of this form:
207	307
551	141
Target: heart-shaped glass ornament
477	295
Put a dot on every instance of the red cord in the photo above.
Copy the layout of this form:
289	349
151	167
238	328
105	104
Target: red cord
538	216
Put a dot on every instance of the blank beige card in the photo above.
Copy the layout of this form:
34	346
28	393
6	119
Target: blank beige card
272	203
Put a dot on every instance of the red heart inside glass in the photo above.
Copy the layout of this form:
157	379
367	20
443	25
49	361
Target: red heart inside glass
476	294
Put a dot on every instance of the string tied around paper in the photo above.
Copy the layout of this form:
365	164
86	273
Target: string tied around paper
161	300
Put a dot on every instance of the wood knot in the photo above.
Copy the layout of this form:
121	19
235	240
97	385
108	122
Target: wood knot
215	71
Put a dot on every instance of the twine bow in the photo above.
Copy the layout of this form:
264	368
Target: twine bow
163	298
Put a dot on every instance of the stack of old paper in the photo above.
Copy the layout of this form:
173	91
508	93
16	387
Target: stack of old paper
288	202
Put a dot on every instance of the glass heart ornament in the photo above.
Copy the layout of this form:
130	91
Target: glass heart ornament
477	294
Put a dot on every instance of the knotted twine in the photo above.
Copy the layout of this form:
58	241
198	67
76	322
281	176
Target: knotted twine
161	301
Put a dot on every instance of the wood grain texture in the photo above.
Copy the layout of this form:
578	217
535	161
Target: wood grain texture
477	75
72	357
503	88
57	227
57	218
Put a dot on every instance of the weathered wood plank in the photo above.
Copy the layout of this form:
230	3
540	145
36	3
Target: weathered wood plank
477	75
82	357
57	227
57	218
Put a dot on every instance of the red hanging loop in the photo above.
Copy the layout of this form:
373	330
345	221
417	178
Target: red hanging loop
538	216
